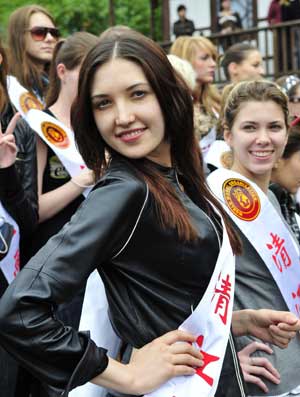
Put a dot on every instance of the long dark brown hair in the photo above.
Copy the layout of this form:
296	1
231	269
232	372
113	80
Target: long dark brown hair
21	65
177	109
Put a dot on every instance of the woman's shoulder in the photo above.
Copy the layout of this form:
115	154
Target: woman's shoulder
121	178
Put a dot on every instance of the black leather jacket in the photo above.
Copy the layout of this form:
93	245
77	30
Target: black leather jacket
18	183
152	279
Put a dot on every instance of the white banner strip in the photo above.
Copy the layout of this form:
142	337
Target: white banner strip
9	245
259	221
211	322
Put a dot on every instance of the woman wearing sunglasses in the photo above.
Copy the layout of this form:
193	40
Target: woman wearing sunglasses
31	37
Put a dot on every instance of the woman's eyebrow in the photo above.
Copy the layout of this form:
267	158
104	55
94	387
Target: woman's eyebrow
131	87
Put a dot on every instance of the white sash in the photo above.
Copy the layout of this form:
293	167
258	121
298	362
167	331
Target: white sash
94	317
54	133
207	141
21	98
211	322
10	264
215	153
59	138
259	221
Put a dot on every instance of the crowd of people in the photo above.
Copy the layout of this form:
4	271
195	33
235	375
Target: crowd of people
118	158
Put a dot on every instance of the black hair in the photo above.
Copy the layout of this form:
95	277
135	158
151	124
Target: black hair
181	7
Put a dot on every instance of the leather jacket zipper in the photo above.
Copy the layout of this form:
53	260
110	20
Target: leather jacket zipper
236	366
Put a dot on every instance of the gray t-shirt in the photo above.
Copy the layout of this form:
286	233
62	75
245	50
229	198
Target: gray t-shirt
256	289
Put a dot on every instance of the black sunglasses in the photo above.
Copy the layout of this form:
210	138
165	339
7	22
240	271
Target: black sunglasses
39	33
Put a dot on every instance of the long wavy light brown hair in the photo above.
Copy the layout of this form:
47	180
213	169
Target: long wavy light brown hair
206	94
3	74
21	65
177	108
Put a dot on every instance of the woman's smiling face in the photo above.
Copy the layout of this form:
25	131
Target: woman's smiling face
127	112
257	138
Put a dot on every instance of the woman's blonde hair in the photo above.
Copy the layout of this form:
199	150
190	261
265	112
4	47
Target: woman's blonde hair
185	69
207	95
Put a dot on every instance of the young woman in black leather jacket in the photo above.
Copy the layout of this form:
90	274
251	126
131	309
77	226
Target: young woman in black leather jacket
148	227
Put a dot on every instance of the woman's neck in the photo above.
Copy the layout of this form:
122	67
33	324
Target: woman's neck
262	180
62	109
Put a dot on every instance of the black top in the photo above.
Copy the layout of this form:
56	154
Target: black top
55	175
151	277
183	27
18	188
288	207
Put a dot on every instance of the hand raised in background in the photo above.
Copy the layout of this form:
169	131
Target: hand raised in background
8	147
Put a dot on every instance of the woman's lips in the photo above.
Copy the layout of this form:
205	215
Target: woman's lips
131	135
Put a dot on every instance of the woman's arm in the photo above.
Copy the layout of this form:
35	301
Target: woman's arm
153	365
271	326
52	202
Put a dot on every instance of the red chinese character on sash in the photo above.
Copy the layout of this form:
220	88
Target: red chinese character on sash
17	262
223	292
284	259
296	295
207	358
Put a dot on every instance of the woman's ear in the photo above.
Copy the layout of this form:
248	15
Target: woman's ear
227	134
278	165
233	69
61	71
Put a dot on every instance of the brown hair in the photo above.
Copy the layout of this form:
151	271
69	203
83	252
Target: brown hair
207	95
21	65
3	86
237	53
177	109
71	53
259	91
293	143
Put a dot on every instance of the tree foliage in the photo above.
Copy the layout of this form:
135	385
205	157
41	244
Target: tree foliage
91	15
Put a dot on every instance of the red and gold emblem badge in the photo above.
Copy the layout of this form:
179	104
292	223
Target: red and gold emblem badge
55	135
29	101
242	200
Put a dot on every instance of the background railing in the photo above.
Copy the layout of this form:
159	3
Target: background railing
279	45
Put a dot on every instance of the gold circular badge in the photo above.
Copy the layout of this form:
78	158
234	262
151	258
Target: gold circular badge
29	101
55	135
242	200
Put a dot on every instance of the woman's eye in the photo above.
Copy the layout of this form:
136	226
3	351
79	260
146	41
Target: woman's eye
276	127
103	104
249	128
138	94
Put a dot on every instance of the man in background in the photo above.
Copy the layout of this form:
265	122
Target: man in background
184	26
